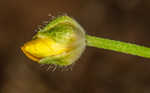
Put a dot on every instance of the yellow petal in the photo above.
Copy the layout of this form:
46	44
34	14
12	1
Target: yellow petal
29	55
42	47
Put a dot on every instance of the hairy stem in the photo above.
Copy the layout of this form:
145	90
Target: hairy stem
118	46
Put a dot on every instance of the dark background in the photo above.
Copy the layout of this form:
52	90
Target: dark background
98	70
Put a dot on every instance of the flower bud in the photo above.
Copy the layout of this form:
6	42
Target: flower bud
61	42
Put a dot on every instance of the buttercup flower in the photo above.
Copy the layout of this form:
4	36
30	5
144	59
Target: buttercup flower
61	43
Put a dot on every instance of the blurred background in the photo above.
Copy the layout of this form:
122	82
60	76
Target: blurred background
98	70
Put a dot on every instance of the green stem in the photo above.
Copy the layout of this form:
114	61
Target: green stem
118	46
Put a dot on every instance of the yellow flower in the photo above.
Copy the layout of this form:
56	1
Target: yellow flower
42	47
61	42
